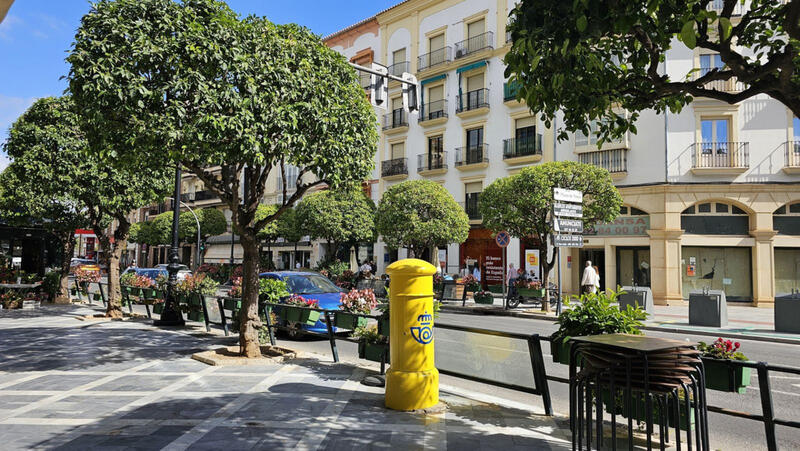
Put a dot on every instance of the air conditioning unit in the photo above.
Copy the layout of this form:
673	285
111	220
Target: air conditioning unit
460	53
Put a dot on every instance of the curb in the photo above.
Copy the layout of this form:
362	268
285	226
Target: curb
676	330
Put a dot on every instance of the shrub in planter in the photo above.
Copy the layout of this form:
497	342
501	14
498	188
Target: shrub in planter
483	297
298	310
529	288
236	288
352	304
438	283
11	300
593	314
471	283
371	345
720	373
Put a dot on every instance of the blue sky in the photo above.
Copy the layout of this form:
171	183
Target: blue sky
36	35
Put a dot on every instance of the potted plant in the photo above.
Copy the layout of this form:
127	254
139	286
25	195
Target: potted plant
234	300
720	373
10	300
299	310
191	292
483	297
352	305
594	314
529	288
471	284
83	278
438	283
371	345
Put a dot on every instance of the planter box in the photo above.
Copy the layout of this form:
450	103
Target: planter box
638	406
372	351
718	376
787	314
383	325
196	316
349	321
158	308
531	293
486	299
150	293
496	289
560	352
633	296
708	309
232	304
299	315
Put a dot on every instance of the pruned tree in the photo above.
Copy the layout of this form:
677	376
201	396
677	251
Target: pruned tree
231	100
522	204
345	216
419	215
594	59
212	223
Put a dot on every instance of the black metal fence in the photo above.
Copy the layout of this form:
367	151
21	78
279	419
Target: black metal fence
474	44
434	58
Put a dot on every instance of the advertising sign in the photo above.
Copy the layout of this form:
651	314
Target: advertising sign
622	226
493	267
532	263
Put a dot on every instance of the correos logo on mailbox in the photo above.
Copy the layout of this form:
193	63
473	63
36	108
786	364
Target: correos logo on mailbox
423	332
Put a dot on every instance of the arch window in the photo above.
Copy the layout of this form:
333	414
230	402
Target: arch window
786	219
715	218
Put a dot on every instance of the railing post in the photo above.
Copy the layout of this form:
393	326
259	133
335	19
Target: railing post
331	336
224	321
766	405
267	311
539	373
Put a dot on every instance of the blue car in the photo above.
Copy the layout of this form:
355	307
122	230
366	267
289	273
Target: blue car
310	285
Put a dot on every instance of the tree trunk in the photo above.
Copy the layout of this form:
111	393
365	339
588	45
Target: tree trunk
249	319
114	308
62	296
547	267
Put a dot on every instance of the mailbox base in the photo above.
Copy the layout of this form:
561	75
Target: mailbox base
412	390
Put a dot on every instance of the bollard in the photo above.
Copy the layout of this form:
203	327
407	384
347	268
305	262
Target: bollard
412	381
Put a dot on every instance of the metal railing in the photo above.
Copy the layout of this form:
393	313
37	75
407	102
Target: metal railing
473	100
365	80
398	68
721	155
510	90
472	155
397	166
730	85
614	160
434	58
431	161
474	44
433	110
522	147
792	154
396	119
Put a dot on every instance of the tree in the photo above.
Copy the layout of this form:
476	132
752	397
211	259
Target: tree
589	58
52	164
231	100
521	204
212	223
419	215
344	216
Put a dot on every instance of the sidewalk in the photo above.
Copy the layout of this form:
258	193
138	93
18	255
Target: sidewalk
743	321
70	384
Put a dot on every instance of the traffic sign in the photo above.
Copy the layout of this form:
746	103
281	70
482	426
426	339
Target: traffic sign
568	210
568	240
502	239
568	225
567	195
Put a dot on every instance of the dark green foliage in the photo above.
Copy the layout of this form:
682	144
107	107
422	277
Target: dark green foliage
597	314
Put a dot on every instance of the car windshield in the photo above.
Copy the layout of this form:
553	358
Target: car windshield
310	284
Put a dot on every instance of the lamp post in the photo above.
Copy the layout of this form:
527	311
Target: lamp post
197	221
170	316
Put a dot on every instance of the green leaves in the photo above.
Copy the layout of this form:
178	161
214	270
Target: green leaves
581	23
725	27
688	35
338	216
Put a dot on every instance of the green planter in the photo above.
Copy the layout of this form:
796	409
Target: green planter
73	291
96	297
560	352
150	293
232	304
639	412
299	315
531	293
350	321
372	351
718	376
498	289
383	324
158	308
486	299
196	316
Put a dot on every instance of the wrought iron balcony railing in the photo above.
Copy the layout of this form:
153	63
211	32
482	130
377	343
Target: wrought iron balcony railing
397	118
397	166
510	90
472	154
721	155
398	68
793	154
472	206
522	147
474	44
431	161
433	110
434	58
614	161
473	100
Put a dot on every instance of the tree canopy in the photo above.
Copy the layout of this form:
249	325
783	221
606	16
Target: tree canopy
338	216
595	59
420	214
521	204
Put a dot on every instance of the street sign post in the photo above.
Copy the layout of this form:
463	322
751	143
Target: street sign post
568	204
568	225
568	195
568	240
567	210
503	239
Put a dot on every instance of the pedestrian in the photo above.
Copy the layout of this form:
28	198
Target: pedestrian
365	267
477	272
373	268
297	266
511	279
464	270
590	280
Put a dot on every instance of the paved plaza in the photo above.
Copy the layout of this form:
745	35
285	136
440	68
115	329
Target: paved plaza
70	384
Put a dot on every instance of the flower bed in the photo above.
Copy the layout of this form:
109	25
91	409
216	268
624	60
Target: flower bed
529	288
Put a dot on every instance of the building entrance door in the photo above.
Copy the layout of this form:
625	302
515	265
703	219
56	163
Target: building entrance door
633	266
598	259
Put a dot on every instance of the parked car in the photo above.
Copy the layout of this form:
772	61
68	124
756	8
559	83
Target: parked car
83	263
310	285
153	273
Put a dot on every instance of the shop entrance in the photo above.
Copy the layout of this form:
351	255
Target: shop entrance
633	266
598	259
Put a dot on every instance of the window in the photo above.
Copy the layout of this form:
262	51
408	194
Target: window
633	211
291	178
435	93
709	62
475	82
795	129
436	43
715	218
715	135
436	107
399	56
398	151
475	138
472	198
399	62
476	28
582	140
786	219
435	146
525	129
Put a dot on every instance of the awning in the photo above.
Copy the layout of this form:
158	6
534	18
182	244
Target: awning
432	79
221	253
471	66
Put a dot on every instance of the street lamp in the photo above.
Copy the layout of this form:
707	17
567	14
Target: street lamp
196	220
170	316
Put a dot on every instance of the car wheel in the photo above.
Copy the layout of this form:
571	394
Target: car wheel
514	302
293	330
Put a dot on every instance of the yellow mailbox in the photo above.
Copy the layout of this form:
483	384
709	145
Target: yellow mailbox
412	381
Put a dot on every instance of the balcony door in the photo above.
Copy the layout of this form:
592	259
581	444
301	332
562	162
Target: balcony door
435	102
475	94
716	136
435	153
525	136
474	147
472	197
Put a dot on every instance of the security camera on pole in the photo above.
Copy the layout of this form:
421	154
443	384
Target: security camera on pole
568	225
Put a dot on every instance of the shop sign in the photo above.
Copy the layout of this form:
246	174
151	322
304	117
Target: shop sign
532	263
493	268
568	240
622	226
568	225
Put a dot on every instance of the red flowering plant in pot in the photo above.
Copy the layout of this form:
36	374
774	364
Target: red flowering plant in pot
354	304
298	309
531	288
471	283
483	297
721	373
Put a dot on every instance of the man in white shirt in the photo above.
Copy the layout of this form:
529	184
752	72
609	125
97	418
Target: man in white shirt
590	280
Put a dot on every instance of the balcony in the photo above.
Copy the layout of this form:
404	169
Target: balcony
433	113
434	58
472	103
614	161
510	90
398	68
472	157
730	158
522	150
729	85
472	206
395	169
396	121
792	157
432	163
474	44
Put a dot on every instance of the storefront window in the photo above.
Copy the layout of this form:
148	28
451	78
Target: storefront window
786	219
715	218
787	271
717	268
633	266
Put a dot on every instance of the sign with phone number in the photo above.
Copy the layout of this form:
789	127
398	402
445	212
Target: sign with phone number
622	226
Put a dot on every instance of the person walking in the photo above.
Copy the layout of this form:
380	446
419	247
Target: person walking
477	271
511	278
590	280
